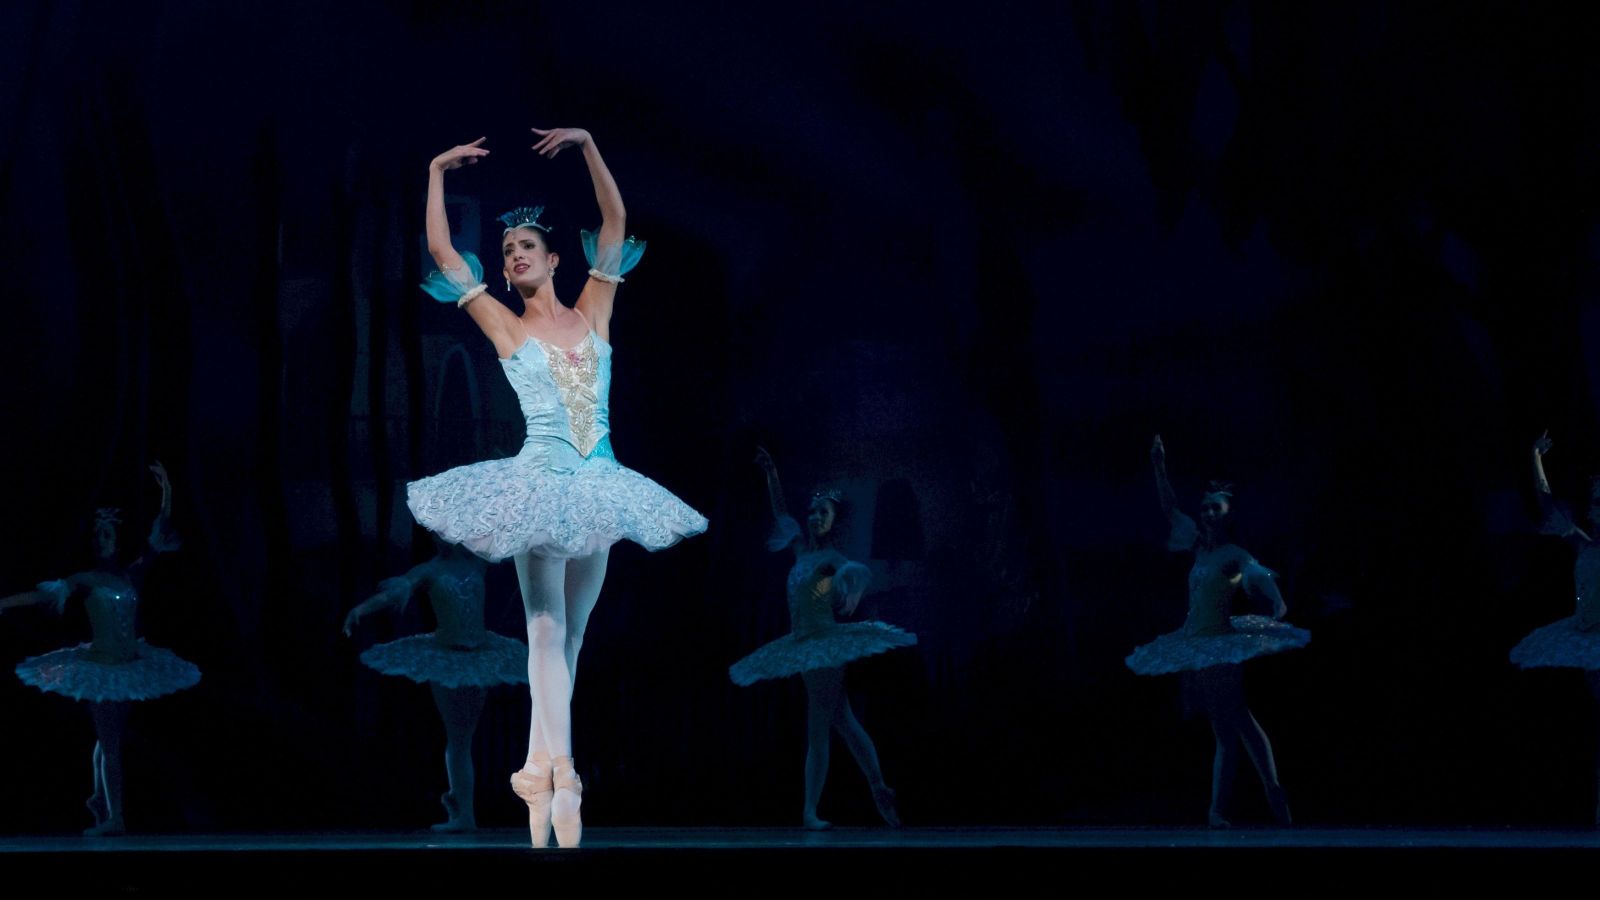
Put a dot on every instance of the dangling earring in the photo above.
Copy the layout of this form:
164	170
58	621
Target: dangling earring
508	285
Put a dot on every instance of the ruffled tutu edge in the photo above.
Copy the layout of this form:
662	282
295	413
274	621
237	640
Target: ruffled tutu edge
1559	645
835	646
1253	636
68	672
422	659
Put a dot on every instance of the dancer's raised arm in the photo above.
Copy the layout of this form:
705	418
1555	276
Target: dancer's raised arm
1556	520
460	276
785	530
1158	460
609	255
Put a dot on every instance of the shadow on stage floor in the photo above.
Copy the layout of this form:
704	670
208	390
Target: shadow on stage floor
725	862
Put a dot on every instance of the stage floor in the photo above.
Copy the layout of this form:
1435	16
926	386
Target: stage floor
725	862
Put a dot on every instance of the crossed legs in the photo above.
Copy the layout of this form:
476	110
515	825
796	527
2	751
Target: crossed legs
558	595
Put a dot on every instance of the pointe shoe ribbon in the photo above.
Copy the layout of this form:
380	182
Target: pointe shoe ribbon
564	817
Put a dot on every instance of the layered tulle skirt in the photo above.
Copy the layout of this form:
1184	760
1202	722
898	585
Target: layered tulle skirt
825	648
425	659
1252	636
503	507
1559	644
74	672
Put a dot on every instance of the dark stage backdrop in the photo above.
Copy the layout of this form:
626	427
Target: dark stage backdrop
961	262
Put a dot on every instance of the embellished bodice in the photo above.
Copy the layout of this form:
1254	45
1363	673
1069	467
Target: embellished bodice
1586	579
457	599
112	605
1215	576
565	398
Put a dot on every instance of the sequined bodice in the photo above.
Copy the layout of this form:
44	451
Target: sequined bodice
564	395
1215	576
112	605
1586	578
807	611
458	608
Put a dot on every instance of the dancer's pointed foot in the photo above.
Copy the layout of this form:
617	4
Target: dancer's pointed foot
883	798
111	827
1216	819
1279	802
564	816
812	823
98	807
456	821
533	784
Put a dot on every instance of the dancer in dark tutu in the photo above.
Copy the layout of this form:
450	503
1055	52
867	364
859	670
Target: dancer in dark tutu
459	661
117	668
1572	642
1212	644
822	583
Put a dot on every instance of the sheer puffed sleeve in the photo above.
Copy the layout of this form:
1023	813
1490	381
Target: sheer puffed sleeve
785	531
609	262
456	285
57	591
1184	533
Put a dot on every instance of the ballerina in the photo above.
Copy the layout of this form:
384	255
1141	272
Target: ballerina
822	582
1573	642
459	661
1212	644
558	505
117	668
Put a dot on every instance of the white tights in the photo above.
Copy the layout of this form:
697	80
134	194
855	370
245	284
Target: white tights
557	597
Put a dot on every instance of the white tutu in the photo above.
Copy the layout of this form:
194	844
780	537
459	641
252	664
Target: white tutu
422	658
1559	644
1252	636
503	507
72	672
830	646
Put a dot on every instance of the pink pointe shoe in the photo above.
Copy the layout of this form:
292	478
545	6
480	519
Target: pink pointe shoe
564	807
533	784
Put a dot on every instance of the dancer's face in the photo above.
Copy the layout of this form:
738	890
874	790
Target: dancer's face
105	542
820	518
1214	508
528	263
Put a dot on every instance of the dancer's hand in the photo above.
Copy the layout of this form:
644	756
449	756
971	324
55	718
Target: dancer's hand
460	155
822	588
1158	452
554	140
1543	444
851	601
350	621
764	460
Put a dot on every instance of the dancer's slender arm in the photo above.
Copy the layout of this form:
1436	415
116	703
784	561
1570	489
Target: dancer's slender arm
54	593
780	509
1541	485
391	592
163	538
598	294
26	598
1261	584
1158	460
498	323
